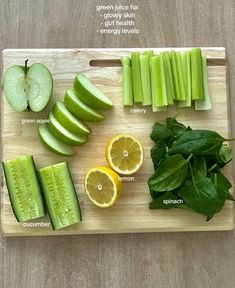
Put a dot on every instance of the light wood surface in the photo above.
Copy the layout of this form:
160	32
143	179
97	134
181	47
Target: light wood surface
179	260
131	213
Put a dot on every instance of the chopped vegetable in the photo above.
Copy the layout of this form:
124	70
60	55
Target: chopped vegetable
136	77
197	74
145	79
186	69
158	82
169	78
127	90
206	103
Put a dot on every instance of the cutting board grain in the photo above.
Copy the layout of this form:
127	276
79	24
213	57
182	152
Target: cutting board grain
131	213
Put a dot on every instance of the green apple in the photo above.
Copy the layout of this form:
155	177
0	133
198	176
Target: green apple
53	143
88	93
28	88
67	119
80	109
61	133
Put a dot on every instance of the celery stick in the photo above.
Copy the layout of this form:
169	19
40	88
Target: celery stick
149	53
206	104
145	80
127	91
136	77
169	79
159	97
175	75
197	77
186	69
182	95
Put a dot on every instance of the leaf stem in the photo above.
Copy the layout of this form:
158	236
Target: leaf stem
212	168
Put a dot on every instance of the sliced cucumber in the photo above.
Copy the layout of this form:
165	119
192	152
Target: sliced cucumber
23	188
60	195
80	109
67	119
90	94
53	143
61	133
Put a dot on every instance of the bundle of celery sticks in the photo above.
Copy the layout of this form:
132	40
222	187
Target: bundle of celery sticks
170	77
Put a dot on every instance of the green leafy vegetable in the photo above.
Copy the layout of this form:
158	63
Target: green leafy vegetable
170	175
187	166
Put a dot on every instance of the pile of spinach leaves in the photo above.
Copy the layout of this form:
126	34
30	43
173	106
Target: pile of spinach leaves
187	166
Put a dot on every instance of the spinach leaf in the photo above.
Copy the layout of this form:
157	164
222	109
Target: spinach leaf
158	154
199	169
160	132
174	125
170	175
225	155
166	201
222	185
197	142
202	197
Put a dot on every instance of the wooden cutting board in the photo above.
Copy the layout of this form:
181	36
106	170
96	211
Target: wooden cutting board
131	213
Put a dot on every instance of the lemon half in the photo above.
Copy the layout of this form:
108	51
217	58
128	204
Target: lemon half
103	186
124	154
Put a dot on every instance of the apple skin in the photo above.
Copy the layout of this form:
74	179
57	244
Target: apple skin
61	133
79	109
69	121
53	144
89	94
28	88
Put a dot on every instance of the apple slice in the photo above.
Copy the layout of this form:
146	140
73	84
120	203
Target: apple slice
88	93
80	109
53	143
67	119
28	88
61	133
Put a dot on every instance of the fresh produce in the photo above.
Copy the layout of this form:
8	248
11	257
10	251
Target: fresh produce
53	144
103	186
70	122
61	133
171	77
23	188
159	92
186	72
80	109
89	94
188	167
60	195
127	89
124	154
28	88
136	77
206	103
178	76
197	75
145	79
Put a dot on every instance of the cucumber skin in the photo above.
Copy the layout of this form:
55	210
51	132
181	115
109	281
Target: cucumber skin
8	189
44	197
10	196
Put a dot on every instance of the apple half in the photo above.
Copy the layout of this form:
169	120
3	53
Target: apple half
28	88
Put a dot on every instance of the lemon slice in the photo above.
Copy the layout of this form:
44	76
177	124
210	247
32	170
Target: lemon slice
103	186
124	154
